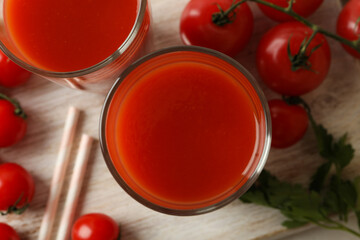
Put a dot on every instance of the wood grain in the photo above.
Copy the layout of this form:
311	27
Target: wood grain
335	104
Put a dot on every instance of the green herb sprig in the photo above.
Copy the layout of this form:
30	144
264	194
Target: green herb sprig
328	194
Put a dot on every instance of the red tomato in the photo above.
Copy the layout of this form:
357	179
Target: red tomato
11	75
289	123
302	7
95	226
347	25
274	65
197	27
7	232
12	126
16	186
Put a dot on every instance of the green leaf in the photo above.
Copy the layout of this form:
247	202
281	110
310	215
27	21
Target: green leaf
258	193
330	205
255	196
304	207
342	153
293	224
348	193
269	191
357	214
343	195
356	183
318	179
324	140
293	200
357	189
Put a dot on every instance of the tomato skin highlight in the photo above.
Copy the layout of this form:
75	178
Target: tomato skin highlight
12	127
274	65
289	123
11	75
347	26
7	232
95	226
15	183
197	28
302	7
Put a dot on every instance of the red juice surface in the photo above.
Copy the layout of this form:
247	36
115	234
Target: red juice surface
68	35
184	133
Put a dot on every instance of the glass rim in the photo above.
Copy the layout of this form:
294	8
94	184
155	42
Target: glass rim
123	47
253	175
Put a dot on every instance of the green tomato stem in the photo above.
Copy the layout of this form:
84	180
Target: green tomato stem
233	7
290	6
18	110
289	11
303	49
315	27
225	17
15	209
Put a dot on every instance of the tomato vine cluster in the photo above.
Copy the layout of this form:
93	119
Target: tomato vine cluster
293	58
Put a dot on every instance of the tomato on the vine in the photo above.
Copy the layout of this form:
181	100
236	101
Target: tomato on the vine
348	24
95	226
302	75
228	34
16	188
289	123
11	75
8	233
302	7
12	122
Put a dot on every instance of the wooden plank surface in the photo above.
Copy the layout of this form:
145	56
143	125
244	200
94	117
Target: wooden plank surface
335	104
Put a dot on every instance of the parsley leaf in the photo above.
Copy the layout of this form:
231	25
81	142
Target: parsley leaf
318	179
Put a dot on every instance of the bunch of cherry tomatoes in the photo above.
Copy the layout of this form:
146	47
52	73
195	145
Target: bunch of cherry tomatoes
289	60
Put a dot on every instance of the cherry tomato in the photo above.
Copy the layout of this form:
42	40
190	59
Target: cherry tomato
7	232
289	123
16	186
347	25
197	27
12	124
11	75
274	64
302	7
95	226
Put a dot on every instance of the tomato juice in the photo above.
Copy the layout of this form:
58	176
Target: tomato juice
184	130
67	35
75	43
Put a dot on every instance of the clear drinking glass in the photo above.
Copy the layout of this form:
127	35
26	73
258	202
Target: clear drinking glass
100	76
111	135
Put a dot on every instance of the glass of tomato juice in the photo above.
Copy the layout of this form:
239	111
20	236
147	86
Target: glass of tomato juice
185	130
80	44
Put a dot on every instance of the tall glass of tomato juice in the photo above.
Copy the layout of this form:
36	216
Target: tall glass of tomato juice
185	130
80	44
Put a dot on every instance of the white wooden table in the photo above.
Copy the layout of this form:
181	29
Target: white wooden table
335	104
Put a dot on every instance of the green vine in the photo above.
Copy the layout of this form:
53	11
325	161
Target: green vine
220	16
18	110
15	209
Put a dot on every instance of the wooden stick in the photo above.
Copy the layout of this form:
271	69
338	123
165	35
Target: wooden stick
59	173
75	187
